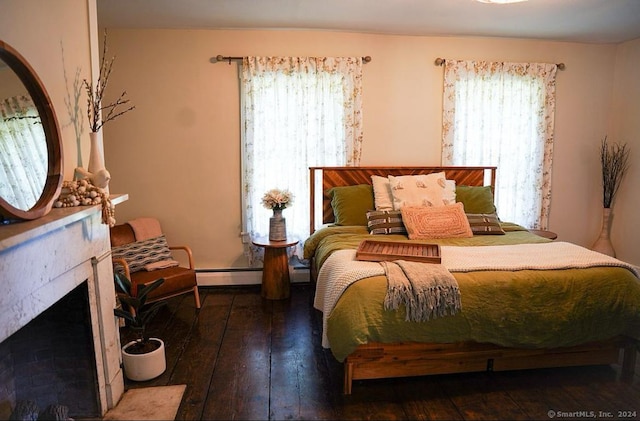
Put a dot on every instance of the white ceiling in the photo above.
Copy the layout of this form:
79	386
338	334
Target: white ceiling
590	21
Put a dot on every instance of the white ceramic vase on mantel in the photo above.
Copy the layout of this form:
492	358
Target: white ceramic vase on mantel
603	243
99	174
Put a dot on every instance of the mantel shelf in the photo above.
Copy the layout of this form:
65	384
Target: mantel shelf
14	234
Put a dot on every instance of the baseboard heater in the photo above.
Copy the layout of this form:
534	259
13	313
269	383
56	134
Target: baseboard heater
242	276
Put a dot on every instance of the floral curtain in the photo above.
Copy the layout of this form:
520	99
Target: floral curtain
23	152
502	114
297	112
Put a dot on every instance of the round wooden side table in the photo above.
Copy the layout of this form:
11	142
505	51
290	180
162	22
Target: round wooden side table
275	271
546	234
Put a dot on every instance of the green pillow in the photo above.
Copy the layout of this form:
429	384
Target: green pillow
351	203
476	199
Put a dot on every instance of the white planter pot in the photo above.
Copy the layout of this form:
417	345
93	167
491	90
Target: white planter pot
141	367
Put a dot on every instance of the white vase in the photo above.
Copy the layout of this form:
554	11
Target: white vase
603	243
99	174
142	367
96	153
277	226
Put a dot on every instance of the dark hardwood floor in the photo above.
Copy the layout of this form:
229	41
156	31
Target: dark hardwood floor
246	358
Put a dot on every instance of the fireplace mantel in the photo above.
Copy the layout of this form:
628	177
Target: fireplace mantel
43	260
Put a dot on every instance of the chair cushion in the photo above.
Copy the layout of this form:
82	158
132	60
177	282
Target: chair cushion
176	280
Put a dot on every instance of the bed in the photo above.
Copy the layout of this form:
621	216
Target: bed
515	312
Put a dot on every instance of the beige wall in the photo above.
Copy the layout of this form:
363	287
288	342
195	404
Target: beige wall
53	36
625	127
177	154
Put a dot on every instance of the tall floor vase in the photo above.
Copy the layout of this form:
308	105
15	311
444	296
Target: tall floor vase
603	243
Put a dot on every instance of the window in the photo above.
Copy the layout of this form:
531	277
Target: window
296	113
502	114
23	152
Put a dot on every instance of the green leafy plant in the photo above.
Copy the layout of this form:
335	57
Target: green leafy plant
135	309
615	162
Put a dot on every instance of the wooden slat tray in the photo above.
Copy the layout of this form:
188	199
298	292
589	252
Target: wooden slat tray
376	251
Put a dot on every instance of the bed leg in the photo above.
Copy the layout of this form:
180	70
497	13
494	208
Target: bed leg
629	354
348	377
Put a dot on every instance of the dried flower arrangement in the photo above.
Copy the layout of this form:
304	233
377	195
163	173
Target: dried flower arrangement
615	162
277	199
98	114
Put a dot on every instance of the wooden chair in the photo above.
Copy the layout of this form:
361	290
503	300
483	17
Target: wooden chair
178	279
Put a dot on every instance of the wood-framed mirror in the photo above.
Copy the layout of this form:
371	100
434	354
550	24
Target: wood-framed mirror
30	142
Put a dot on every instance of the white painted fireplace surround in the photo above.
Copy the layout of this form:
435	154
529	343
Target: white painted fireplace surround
43	260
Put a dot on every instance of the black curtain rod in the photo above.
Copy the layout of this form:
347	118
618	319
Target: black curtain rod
440	61
220	57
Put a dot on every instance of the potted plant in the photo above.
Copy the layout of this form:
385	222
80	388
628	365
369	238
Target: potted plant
277	200
144	357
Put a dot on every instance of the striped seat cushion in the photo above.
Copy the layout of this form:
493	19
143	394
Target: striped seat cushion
140	253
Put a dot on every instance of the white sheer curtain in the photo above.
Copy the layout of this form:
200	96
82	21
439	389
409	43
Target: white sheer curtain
297	112
502	114
23	152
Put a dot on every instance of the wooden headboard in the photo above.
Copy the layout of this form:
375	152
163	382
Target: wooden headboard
351	176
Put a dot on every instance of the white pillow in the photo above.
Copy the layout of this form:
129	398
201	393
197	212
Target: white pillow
382	198
422	190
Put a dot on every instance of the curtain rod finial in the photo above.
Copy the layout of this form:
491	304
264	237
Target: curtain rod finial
439	61
366	59
561	66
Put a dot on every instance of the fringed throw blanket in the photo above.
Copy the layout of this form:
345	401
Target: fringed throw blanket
427	290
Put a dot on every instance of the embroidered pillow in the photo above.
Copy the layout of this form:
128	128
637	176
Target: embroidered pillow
485	224
141	253
351	203
421	190
382	197
427	222
385	222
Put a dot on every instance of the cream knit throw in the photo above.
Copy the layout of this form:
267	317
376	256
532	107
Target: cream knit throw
541	256
338	272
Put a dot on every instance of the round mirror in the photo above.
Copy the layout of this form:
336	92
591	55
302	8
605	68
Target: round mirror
30	144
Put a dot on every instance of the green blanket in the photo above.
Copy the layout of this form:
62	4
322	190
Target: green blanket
527	308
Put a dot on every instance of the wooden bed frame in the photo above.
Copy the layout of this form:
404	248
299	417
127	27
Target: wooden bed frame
382	360
350	176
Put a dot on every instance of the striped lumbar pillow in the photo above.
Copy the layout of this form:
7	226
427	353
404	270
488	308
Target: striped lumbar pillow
485	224
141	253
385	222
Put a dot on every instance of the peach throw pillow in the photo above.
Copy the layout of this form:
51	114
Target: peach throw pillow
447	221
